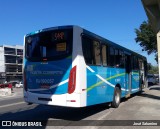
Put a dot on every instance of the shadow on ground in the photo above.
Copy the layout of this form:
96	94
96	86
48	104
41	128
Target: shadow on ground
61	115
43	112
150	95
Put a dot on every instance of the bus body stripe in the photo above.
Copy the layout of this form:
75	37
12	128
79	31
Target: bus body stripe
103	80
89	68
135	89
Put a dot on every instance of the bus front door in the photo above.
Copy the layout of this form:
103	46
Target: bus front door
128	74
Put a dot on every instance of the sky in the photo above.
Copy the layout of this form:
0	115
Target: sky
114	20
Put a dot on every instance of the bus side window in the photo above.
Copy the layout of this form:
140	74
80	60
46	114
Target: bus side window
104	55
117	58
91	51
111	57
96	53
141	64
122	59
87	47
135	63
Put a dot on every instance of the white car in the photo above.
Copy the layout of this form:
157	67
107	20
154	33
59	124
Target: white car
20	84
151	79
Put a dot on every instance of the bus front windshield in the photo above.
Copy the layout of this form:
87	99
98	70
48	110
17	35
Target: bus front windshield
50	45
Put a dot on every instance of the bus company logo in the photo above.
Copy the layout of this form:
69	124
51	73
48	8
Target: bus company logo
47	72
6	123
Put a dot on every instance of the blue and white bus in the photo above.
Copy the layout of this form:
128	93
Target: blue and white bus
72	67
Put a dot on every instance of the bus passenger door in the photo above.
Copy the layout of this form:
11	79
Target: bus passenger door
128	74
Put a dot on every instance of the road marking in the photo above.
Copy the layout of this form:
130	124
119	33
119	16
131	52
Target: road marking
11	97
8	105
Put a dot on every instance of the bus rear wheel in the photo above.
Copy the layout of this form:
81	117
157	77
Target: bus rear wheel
116	98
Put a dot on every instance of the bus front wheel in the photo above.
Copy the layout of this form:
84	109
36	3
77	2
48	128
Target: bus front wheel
116	98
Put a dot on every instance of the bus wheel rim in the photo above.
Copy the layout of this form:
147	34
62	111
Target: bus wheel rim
117	97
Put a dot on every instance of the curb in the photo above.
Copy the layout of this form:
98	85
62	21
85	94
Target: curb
5	92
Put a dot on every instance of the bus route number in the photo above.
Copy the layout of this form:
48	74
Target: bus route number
59	36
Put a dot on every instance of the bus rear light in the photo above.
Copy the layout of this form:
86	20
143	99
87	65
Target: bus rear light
72	80
25	81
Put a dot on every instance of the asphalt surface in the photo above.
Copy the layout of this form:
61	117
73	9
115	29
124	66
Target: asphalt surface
138	107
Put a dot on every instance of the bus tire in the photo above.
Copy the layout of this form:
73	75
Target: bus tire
116	98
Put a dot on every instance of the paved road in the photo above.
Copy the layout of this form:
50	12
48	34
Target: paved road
141	107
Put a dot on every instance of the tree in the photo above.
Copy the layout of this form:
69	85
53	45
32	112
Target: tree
153	70
146	38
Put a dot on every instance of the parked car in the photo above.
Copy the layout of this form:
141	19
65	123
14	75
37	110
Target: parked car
157	78
20	84
151	79
13	83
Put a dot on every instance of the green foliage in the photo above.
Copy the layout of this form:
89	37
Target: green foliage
146	38
153	70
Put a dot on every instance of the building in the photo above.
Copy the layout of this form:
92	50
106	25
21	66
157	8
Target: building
11	61
152	9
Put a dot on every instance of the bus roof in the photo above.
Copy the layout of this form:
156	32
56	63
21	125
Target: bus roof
49	29
86	32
